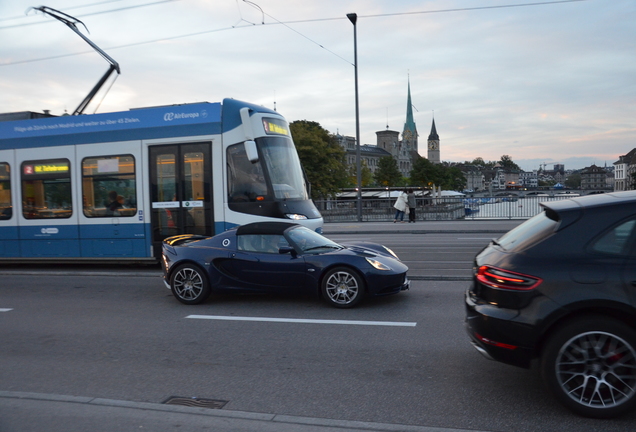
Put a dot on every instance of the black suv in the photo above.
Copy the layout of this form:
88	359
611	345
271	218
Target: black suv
561	288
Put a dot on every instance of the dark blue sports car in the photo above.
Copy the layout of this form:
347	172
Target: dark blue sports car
279	257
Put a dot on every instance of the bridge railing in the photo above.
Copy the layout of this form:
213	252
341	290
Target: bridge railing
445	208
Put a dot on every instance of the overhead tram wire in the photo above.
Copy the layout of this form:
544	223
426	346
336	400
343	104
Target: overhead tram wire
90	13
545	3
122	46
68	8
468	9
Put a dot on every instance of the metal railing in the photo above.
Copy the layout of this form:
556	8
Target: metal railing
444	208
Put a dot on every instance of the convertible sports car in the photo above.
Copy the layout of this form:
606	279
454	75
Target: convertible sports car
279	257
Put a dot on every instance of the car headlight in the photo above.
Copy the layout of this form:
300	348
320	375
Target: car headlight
377	264
295	216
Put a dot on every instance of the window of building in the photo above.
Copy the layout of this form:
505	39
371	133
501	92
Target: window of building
6	209
46	189
109	186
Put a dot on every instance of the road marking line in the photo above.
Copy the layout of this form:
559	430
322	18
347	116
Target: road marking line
5	309
304	321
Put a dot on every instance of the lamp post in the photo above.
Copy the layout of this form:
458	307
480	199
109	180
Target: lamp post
354	18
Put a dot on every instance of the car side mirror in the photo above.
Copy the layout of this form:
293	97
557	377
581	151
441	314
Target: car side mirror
288	250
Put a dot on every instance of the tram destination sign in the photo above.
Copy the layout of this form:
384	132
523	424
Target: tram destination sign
48	168
275	126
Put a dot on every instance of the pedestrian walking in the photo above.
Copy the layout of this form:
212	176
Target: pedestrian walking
401	206
410	199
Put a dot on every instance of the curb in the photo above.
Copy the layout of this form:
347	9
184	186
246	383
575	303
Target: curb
328	424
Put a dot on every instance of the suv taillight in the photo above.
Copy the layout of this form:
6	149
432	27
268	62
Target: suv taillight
503	279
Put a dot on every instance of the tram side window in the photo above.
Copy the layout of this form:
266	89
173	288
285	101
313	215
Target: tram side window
6	209
109	186
46	189
245	180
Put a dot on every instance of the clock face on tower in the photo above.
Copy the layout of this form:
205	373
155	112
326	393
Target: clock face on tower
407	135
432	145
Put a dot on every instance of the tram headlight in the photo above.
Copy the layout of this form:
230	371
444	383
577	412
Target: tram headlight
295	216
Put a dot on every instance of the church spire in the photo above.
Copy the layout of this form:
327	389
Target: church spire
433	135
433	145
410	122
409	134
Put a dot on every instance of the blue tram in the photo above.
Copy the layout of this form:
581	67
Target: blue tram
113	186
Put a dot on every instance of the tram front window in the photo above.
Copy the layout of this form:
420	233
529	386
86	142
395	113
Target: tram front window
283	165
246	180
277	176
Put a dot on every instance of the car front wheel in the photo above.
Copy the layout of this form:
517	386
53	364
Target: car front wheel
189	284
342	287
590	366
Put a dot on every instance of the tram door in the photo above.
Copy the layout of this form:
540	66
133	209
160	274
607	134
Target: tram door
180	191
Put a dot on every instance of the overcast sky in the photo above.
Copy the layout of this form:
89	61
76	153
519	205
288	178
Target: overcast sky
541	81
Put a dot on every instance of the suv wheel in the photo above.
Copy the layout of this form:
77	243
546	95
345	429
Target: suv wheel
590	366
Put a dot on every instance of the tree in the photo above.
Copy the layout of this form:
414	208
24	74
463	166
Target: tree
454	179
366	176
573	181
425	173
507	164
481	163
322	158
388	173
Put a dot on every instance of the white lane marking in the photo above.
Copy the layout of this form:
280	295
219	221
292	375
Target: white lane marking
5	309
304	321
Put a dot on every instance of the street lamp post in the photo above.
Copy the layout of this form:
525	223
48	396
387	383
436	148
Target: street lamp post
354	18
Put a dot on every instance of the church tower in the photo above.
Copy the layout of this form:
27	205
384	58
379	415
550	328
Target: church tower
433	145
409	134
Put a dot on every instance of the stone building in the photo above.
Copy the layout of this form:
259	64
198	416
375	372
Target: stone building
369	154
388	143
593	177
624	172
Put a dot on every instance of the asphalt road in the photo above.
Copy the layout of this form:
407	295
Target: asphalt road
399	361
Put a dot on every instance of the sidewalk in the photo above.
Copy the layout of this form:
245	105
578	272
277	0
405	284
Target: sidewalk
21	411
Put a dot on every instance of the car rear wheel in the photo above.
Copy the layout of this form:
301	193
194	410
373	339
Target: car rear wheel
342	287
590	366
189	284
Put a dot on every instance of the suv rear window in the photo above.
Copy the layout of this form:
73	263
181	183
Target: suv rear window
616	240
530	232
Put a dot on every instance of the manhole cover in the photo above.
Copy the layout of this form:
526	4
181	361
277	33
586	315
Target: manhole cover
195	402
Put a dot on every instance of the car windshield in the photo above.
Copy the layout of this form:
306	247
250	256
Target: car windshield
529	232
282	164
309	241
